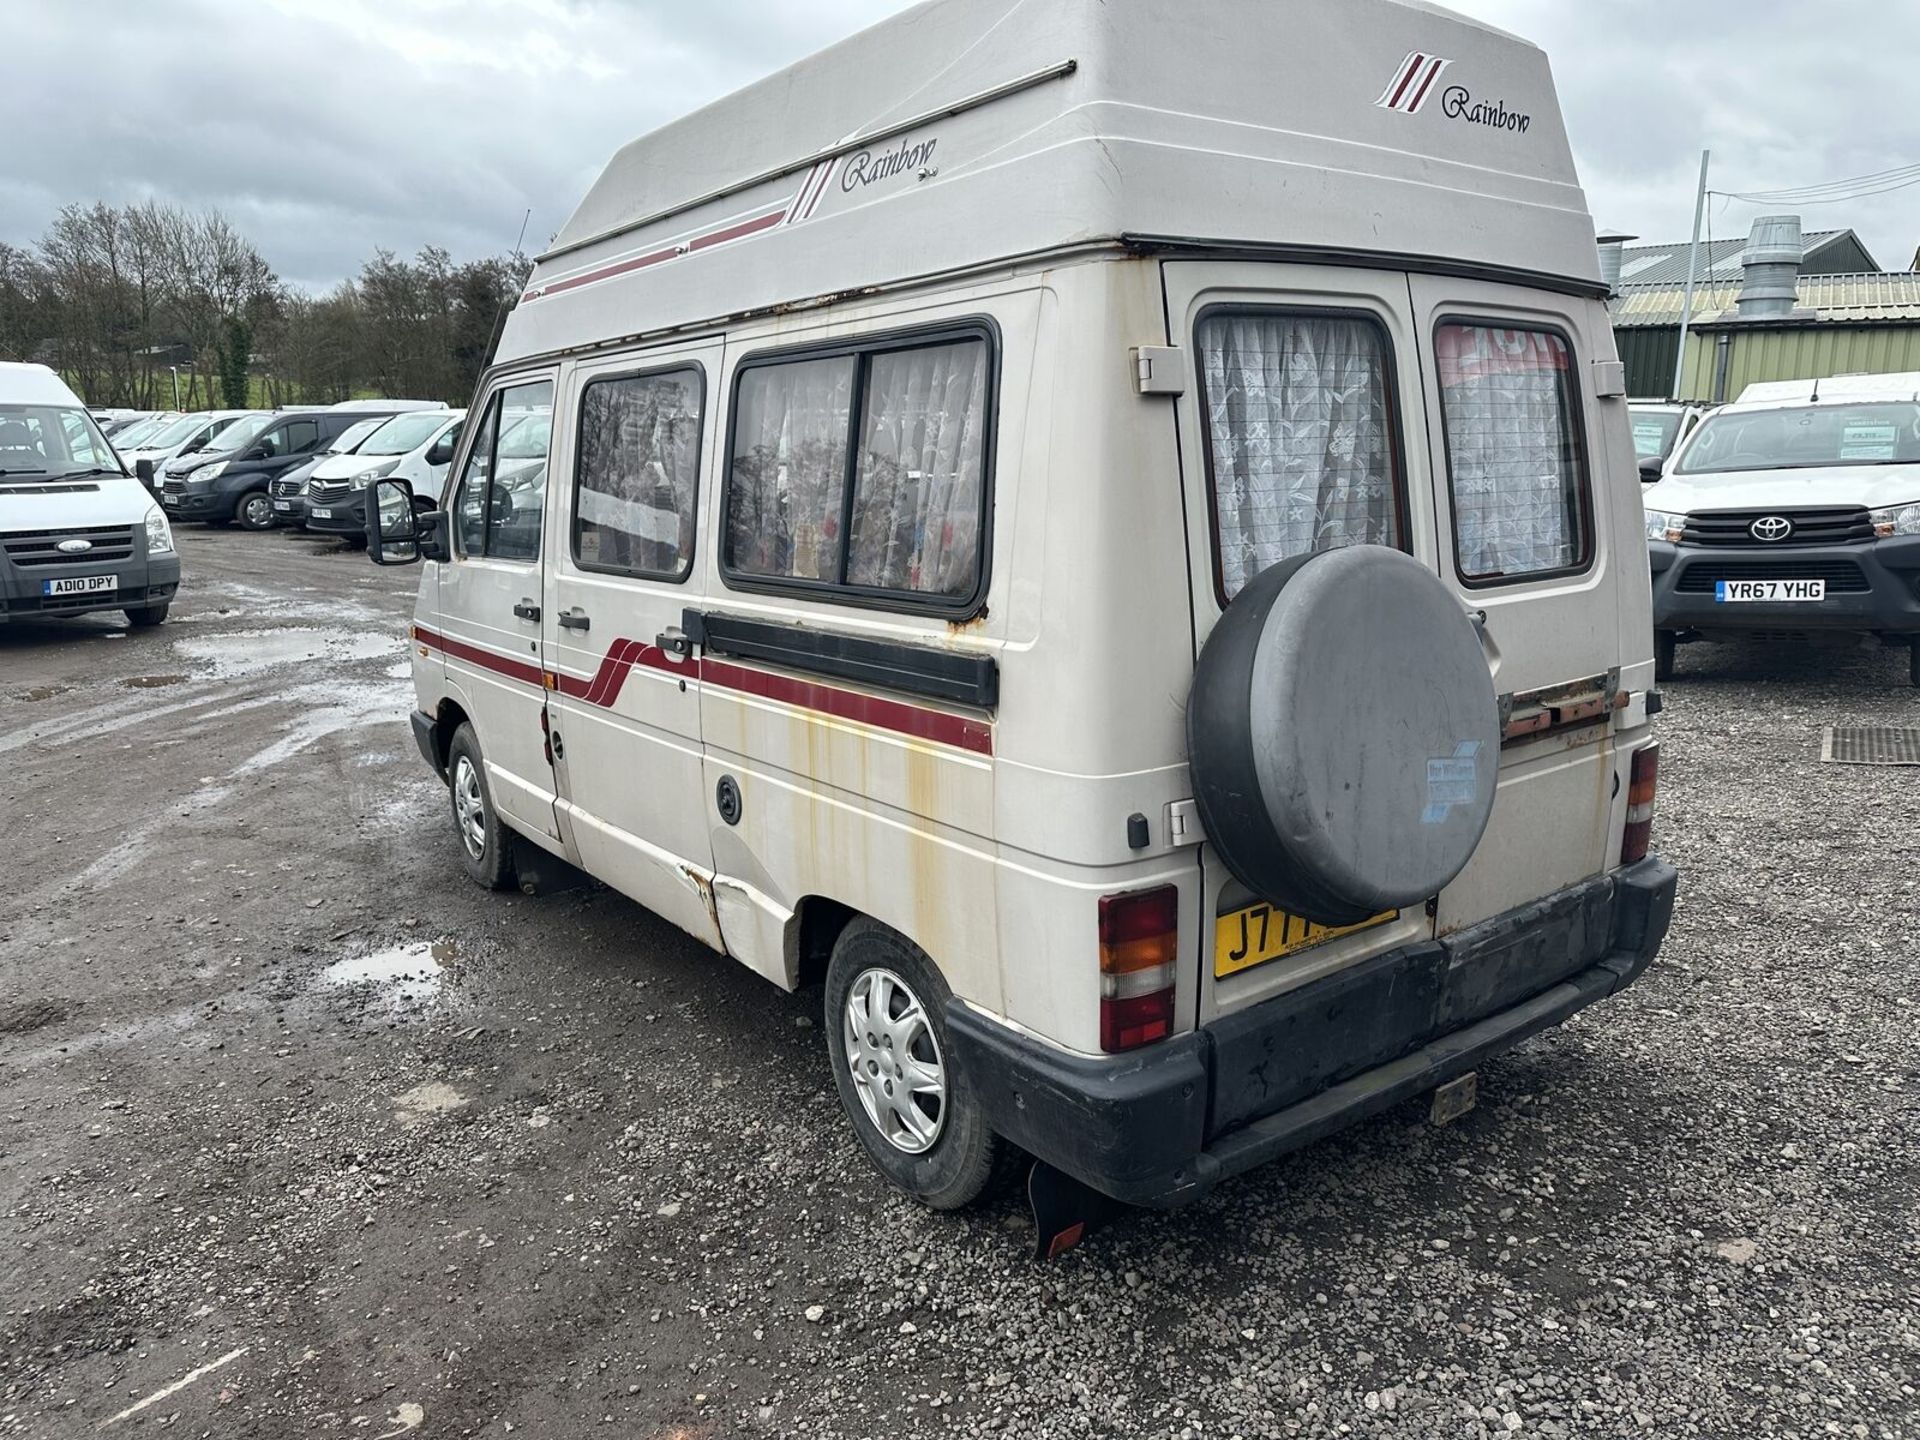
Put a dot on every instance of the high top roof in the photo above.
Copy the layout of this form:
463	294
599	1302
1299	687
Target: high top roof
963	132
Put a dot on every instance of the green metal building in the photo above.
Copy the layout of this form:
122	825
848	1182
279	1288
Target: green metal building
1859	320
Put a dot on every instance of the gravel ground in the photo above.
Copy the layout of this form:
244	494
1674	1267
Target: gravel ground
290	1108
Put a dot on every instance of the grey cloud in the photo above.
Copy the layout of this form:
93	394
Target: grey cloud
325	128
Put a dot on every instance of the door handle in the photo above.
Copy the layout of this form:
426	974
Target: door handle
527	610
674	641
575	619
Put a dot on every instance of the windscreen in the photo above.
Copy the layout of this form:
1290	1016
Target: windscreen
348	440
1802	437
134	436
239	433
404	433
172	432
45	442
1653	432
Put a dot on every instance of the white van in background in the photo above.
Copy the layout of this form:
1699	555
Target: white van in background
77	533
416	447
1110	542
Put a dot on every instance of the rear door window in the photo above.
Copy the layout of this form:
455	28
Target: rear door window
1302	446
1516	459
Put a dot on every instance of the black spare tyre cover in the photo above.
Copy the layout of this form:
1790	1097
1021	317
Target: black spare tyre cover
1343	735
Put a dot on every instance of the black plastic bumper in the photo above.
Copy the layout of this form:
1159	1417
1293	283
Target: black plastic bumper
1162	1125
290	510
196	505
348	517
424	738
1888	604
143	581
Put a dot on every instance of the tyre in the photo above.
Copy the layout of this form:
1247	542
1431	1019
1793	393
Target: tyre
485	847
354	542
1666	648
145	617
254	511
1913	665
1344	735
912	1107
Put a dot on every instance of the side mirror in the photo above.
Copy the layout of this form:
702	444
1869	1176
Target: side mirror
143	470
1651	469
441	452
393	534
258	452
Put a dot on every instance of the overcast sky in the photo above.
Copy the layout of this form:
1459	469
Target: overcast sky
325	128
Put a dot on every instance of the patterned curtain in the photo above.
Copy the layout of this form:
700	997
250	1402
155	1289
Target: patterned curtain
639	443
790	434
1297	413
1511	449
917	493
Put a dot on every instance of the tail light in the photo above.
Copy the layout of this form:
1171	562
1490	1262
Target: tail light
1139	947
1640	794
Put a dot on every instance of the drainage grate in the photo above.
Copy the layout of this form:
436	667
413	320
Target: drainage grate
1870	745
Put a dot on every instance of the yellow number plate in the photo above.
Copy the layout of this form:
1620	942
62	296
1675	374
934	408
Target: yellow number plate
1260	933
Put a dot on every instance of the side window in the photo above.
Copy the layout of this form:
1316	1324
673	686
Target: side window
1515	458
503	489
1302	449
302	436
272	444
638	474
863	472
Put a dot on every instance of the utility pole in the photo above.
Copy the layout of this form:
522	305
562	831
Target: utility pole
174	370
1693	274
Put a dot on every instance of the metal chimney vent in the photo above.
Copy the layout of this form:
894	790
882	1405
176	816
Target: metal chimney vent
1612	252
1771	264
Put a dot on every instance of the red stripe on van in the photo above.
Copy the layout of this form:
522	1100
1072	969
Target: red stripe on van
660	257
486	659
1419	61
603	689
1433	74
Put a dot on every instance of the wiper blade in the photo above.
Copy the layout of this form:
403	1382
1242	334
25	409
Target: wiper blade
92	470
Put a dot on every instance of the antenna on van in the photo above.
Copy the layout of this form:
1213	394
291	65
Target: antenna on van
500	313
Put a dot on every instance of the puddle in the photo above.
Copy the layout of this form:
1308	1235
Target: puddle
407	975
152	682
253	652
401	671
44	692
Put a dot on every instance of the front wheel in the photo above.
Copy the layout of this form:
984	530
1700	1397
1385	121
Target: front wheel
145	617
1666	647
911	1106
485	850
254	511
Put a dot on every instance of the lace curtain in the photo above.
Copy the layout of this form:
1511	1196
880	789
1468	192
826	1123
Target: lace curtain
918	486
639	456
790	434
916	497
1297	415
1511	449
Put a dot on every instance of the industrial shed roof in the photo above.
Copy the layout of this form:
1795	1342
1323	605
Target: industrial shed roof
1825	252
1877	298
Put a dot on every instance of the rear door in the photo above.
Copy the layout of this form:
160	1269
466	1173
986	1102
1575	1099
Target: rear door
1300	430
1517	442
625	703
490	606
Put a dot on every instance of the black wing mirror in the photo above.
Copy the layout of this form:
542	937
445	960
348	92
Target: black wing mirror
1651	470
398	531
143	470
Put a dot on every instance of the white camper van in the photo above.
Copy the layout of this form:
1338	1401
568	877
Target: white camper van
1112	542
77	533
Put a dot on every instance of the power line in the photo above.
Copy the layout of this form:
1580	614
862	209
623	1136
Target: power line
1832	192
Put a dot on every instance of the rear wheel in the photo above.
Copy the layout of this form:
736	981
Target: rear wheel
485	849
254	511
144	617
1666	647
912	1107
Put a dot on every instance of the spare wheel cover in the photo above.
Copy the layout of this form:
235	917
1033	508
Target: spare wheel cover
1344	735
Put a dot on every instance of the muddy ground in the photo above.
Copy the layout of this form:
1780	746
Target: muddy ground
303	1134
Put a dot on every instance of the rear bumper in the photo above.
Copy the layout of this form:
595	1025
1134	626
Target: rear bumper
1161	1126
1887	604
